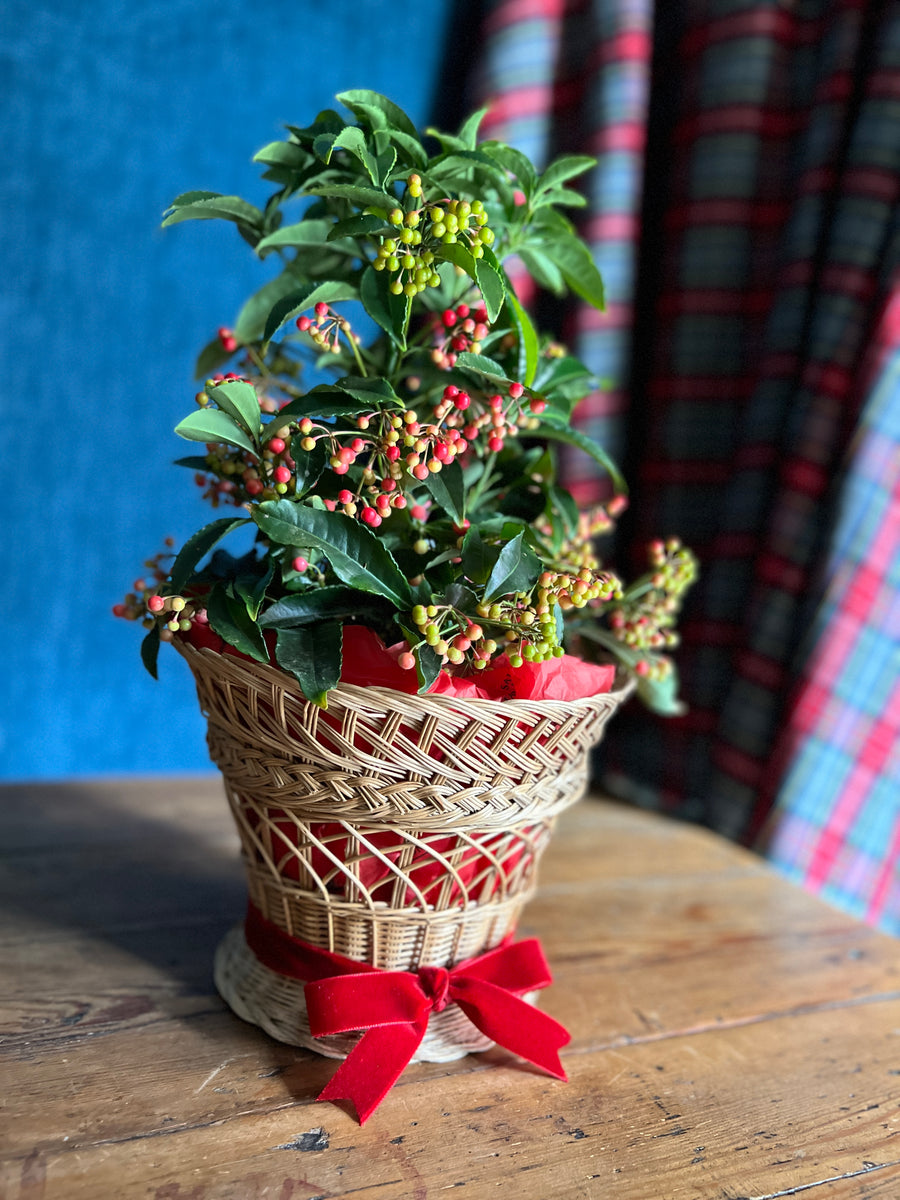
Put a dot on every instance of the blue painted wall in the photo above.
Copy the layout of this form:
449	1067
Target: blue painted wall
107	111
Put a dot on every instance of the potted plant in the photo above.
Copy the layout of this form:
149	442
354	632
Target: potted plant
405	670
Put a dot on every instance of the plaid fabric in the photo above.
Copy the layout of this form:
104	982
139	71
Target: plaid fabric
753	361
574	78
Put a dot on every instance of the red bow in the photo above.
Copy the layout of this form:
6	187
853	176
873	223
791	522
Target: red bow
393	1007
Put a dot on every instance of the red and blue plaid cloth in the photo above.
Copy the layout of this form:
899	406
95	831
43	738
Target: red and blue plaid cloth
751	353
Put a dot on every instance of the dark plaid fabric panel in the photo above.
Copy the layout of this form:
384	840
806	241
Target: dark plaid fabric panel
751	352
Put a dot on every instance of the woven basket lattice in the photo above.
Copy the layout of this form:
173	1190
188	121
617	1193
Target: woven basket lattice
394	829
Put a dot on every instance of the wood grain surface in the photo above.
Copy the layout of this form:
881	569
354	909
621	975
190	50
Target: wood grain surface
732	1037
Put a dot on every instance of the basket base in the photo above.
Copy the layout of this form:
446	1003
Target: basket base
275	1003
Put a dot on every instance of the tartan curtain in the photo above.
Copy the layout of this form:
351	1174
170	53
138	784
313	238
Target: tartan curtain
745	213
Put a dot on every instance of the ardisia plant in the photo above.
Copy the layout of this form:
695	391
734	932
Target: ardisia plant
417	494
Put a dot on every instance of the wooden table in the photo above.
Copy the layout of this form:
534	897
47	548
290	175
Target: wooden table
731	1036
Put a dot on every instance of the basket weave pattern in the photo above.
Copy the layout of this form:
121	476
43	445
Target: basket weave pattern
398	830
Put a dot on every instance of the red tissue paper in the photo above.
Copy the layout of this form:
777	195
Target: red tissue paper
368	662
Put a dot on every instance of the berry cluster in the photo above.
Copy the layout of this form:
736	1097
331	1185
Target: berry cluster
645	620
325	328
146	603
456	330
411	253
525	625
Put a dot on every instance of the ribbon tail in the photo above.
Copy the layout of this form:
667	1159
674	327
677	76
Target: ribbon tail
514	1024
373	1066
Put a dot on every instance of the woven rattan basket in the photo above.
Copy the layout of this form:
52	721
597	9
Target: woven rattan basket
398	830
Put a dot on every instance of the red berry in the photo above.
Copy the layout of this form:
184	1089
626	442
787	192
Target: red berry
371	517
299	564
321	310
407	661
156	604
516	390
281	474
448	317
495	444
303	324
276	445
345	497
537	406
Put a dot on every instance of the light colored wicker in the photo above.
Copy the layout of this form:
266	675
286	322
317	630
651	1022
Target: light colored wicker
397	830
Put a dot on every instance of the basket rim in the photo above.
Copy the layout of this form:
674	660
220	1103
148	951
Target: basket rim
441	702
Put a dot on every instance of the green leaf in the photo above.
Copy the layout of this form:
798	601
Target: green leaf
229	618
575	262
329	291
352	139
150	651
411	147
661	695
428	666
489	276
481	365
283	154
309	466
363	103
313	657
355	193
516	570
449	491
348	397
543	269
574	437
239	400
560	196
326	121
462	598
388	311
213	425
370	392
564	505
352	227
483	271
198	546
468	131
478	557
200	206
251	319
312	232
357	556
565	168
194	462
315	604
251	590
564	381
515	162
528	346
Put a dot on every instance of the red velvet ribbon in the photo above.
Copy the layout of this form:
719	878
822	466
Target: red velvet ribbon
393	1007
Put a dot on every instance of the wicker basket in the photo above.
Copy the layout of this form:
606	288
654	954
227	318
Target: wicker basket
397	830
